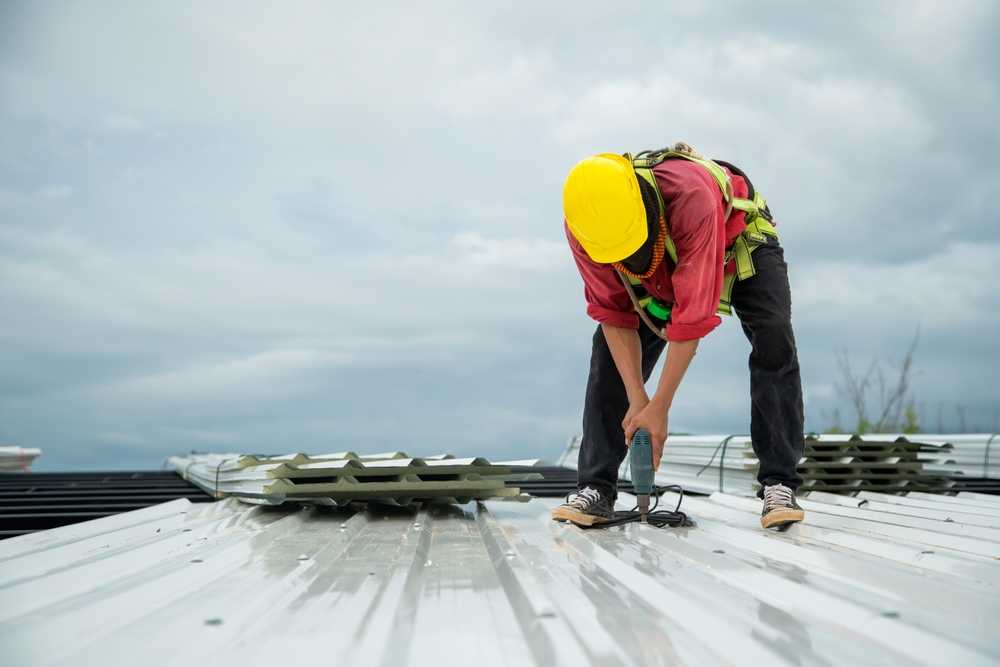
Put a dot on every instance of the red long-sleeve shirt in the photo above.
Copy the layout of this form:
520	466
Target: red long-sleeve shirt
694	210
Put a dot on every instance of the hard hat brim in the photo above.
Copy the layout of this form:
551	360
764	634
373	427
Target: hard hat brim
638	232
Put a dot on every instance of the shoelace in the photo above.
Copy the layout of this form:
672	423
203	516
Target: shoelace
586	496
776	496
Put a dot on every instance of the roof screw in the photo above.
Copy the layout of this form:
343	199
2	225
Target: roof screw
303	557
718	551
890	614
197	560
927	552
213	621
186	530
371	573
510	554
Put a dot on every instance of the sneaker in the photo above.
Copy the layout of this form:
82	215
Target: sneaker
780	508
585	508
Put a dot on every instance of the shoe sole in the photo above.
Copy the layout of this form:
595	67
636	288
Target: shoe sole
576	516
780	518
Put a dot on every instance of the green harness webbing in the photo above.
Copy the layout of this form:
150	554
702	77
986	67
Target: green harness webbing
758	229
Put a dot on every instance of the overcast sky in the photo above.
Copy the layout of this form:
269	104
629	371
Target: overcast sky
321	226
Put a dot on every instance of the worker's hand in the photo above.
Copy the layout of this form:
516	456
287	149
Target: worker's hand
653	418
634	408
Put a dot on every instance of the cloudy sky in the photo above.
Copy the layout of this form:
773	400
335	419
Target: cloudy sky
329	225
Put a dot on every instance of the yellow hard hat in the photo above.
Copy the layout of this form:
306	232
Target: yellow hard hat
604	209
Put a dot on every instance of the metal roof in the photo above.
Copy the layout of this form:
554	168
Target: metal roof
900	580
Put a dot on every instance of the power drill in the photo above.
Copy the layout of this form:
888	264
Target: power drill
640	461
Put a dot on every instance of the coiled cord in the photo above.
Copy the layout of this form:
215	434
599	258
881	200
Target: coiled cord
674	518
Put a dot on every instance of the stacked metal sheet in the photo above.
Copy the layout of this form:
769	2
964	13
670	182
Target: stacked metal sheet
969	454
17	459
833	463
968	460
889	464
341	478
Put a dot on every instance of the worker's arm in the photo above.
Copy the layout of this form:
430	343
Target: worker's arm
697	228
626	350
654	416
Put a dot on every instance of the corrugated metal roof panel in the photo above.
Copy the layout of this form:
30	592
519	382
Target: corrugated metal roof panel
498	583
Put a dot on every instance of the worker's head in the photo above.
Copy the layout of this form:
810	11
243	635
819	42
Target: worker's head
603	201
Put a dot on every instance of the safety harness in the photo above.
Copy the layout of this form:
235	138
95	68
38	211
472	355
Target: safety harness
758	228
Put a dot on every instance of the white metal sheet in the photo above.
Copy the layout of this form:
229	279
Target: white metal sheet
496	583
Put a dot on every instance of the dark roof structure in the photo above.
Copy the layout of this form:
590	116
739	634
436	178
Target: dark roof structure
42	500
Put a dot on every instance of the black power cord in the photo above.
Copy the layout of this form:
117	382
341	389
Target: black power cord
674	518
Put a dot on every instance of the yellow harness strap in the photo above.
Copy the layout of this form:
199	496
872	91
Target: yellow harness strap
758	228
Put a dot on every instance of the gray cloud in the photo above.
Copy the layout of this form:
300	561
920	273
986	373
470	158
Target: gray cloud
252	227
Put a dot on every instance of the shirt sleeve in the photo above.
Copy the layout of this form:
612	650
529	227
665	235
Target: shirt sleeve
607	300
696	229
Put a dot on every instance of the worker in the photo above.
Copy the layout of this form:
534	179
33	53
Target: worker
672	239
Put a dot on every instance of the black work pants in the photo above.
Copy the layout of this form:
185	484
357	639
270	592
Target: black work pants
764	306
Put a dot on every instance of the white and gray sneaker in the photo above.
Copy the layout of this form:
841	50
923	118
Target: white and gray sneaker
780	508
586	507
